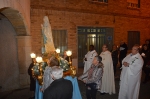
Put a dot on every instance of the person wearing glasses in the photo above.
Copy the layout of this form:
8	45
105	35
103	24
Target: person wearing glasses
108	83
93	78
131	75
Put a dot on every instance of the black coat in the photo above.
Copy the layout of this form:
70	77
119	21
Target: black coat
115	57
123	53
32	80
147	56
59	89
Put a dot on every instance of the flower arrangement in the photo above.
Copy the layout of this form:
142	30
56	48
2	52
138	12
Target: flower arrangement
36	68
64	64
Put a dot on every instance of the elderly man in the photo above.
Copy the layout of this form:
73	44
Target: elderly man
108	82
131	75
60	88
89	58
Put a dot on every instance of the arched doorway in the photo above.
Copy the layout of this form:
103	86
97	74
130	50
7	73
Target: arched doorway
15	49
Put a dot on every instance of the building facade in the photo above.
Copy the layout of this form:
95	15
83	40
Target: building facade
92	22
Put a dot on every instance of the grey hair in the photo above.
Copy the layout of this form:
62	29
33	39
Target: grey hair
57	72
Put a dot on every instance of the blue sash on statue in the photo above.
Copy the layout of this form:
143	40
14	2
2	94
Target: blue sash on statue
76	91
38	93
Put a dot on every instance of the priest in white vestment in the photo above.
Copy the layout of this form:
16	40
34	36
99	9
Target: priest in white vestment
88	59
108	83
131	75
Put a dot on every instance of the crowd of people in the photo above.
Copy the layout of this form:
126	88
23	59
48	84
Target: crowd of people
99	73
131	66
54	85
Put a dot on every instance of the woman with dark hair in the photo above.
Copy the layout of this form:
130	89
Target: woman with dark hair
114	54
145	53
47	80
147	43
92	78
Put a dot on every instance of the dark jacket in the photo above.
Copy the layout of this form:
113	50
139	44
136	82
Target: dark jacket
32	80
115	56
123	52
59	89
147	56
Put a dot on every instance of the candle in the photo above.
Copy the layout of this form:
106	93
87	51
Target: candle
58	50
32	55
69	53
39	59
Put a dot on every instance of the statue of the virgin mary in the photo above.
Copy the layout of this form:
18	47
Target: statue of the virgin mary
48	45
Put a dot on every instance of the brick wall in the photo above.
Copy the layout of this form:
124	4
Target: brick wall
68	14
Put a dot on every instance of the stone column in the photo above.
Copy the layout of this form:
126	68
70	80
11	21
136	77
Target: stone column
24	60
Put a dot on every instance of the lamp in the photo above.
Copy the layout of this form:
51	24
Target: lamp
40	69
69	53
32	55
57	51
39	59
72	68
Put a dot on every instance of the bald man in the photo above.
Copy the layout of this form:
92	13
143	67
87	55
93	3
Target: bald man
131	75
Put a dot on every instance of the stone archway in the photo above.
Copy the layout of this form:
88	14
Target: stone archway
23	46
16	20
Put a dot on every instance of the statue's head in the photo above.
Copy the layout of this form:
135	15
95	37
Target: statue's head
46	21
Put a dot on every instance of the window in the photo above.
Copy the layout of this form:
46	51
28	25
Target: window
133	38
103	1
133	3
60	40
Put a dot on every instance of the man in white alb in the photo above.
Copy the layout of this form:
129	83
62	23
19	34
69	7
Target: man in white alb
88	59
108	83
131	75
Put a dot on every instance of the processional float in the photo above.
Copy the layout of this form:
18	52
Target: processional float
49	50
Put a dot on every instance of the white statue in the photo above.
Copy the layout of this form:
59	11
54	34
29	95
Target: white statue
47	36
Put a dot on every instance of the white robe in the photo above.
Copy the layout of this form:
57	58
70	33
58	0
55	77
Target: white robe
108	83
130	77
89	56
